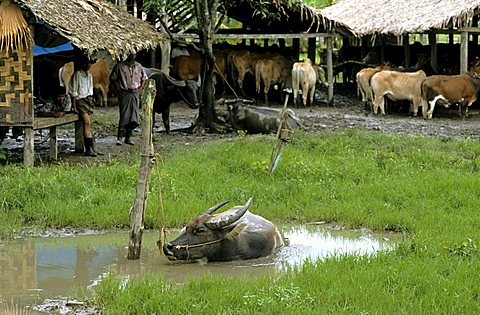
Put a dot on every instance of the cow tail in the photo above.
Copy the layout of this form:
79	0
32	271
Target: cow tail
257	76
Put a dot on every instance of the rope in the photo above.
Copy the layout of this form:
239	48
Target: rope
225	79
198	245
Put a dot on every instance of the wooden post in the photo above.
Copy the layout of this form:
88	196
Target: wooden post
166	48
406	48
432	41
28	147
296	48
53	143
79	136
330	70
312	49
137	211
464	52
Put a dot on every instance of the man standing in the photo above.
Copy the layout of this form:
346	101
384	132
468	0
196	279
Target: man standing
128	77
81	92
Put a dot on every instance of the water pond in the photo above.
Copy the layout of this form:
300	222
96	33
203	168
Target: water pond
35	269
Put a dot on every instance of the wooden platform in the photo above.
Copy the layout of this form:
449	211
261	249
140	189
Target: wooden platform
51	123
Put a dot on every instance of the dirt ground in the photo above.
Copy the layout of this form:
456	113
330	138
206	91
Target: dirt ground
347	112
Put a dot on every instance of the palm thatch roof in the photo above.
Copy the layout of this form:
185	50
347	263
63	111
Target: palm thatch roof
95	25
279	17
398	17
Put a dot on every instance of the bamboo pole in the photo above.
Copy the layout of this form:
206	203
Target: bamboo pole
137	211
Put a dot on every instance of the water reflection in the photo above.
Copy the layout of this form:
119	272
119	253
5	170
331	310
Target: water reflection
32	270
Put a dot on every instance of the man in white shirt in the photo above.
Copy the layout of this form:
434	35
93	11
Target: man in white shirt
81	91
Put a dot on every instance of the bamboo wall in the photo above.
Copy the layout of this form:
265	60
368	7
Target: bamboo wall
16	100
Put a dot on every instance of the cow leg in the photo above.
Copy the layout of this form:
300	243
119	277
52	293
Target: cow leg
312	95
432	106
266	89
424	108
166	120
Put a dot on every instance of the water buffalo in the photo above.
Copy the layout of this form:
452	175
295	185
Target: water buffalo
232	235
255	119
169	91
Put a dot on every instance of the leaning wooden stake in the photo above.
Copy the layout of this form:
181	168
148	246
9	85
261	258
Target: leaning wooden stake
147	160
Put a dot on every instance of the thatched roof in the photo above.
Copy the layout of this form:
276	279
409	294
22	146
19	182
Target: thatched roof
398	17
95	25
294	17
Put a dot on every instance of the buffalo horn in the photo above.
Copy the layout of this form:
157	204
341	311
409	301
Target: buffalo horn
217	223
216	207
199	81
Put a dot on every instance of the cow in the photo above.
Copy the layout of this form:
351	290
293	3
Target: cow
275	69
447	89
304	77
236	234
100	73
363	85
397	86
240	63
256	119
188	67
169	91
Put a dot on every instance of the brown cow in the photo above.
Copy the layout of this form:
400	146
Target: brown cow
240	63
272	70
304	77
188	67
397	86
447	89
363	85
100	74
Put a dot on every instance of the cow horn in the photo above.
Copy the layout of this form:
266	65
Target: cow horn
219	222
216	207
199	81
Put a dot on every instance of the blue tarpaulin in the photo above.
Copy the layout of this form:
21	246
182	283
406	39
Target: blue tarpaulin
38	50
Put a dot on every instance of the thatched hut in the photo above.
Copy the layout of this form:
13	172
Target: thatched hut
90	26
377	18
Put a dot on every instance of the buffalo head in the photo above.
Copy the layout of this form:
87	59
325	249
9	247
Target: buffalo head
190	93
232	235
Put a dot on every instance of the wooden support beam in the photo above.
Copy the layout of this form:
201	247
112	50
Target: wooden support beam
53	143
464	52
312	49
406	48
257	36
432	41
28	147
330	70
166	48
79	145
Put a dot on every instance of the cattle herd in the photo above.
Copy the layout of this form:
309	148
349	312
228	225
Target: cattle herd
374	84
253	72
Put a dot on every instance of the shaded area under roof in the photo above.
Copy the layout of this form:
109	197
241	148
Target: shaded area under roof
299	18
399	17
96	25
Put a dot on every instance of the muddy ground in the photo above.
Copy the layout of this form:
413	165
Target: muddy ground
347	112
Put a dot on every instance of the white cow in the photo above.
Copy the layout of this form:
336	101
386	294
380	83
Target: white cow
304	77
397	86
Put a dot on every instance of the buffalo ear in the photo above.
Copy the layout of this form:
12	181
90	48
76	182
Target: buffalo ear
236	230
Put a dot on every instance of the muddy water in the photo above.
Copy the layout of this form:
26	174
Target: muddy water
35	269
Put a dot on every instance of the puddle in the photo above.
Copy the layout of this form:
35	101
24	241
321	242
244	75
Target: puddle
33	270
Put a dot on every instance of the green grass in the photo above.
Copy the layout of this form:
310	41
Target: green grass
425	188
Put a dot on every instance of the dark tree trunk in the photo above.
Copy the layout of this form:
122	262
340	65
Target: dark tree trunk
206	11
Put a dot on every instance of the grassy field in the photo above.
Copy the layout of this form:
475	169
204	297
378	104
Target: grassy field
425	188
